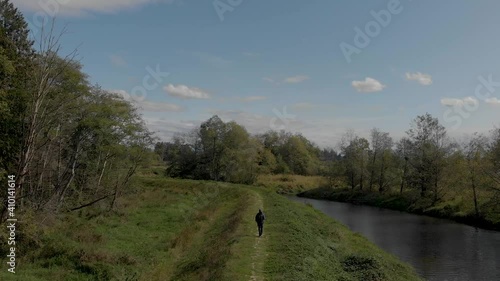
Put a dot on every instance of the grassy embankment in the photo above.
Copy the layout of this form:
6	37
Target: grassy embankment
189	230
290	184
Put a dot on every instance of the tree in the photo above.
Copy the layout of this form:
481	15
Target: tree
475	152
355	154
182	155
493	171
427	157
240	158
211	134
403	149
380	153
16	56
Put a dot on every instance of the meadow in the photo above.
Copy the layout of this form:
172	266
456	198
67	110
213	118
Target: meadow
169	229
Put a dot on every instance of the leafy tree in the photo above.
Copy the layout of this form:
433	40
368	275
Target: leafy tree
211	134
427	157
403	152
16	56
475	152
239	160
380	155
355	156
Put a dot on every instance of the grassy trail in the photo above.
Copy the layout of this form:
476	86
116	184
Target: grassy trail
260	253
190	230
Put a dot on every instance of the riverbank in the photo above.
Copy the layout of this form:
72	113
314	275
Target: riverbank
408	202
193	230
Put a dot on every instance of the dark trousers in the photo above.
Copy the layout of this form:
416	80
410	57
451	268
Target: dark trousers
261	228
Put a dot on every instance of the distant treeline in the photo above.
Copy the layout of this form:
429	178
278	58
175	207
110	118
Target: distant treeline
426	160
227	152
68	143
465	173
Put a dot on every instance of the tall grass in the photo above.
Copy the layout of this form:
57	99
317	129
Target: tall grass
291	184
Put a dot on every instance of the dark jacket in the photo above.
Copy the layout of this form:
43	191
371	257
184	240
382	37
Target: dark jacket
260	217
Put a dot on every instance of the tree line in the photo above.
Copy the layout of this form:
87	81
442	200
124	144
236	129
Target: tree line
69	143
426	160
227	152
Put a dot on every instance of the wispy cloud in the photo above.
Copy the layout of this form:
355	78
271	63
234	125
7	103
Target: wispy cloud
452	102
118	60
296	79
303	106
253	98
422	78
160	106
250	54
493	101
369	85
149	106
211	59
84	7
186	92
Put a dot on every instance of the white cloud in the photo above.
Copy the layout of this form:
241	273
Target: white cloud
493	101
186	92
424	79
159	106
253	98
148	105
368	85
296	79
82	7
118	60
452	102
267	79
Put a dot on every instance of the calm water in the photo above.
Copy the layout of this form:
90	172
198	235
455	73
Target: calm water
440	250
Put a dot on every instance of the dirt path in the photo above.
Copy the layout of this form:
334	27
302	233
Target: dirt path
259	252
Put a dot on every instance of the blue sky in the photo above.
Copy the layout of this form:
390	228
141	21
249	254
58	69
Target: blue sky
280	65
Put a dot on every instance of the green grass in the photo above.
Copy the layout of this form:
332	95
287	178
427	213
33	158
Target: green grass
190	230
290	184
304	244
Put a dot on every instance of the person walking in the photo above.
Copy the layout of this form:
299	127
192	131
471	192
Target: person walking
259	218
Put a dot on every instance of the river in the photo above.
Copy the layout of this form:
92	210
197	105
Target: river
439	250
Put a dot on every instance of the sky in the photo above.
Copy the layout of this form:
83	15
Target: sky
314	67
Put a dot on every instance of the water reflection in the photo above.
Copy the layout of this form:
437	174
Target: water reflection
440	250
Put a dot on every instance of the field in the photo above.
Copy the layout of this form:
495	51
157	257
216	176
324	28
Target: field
192	230
290	184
